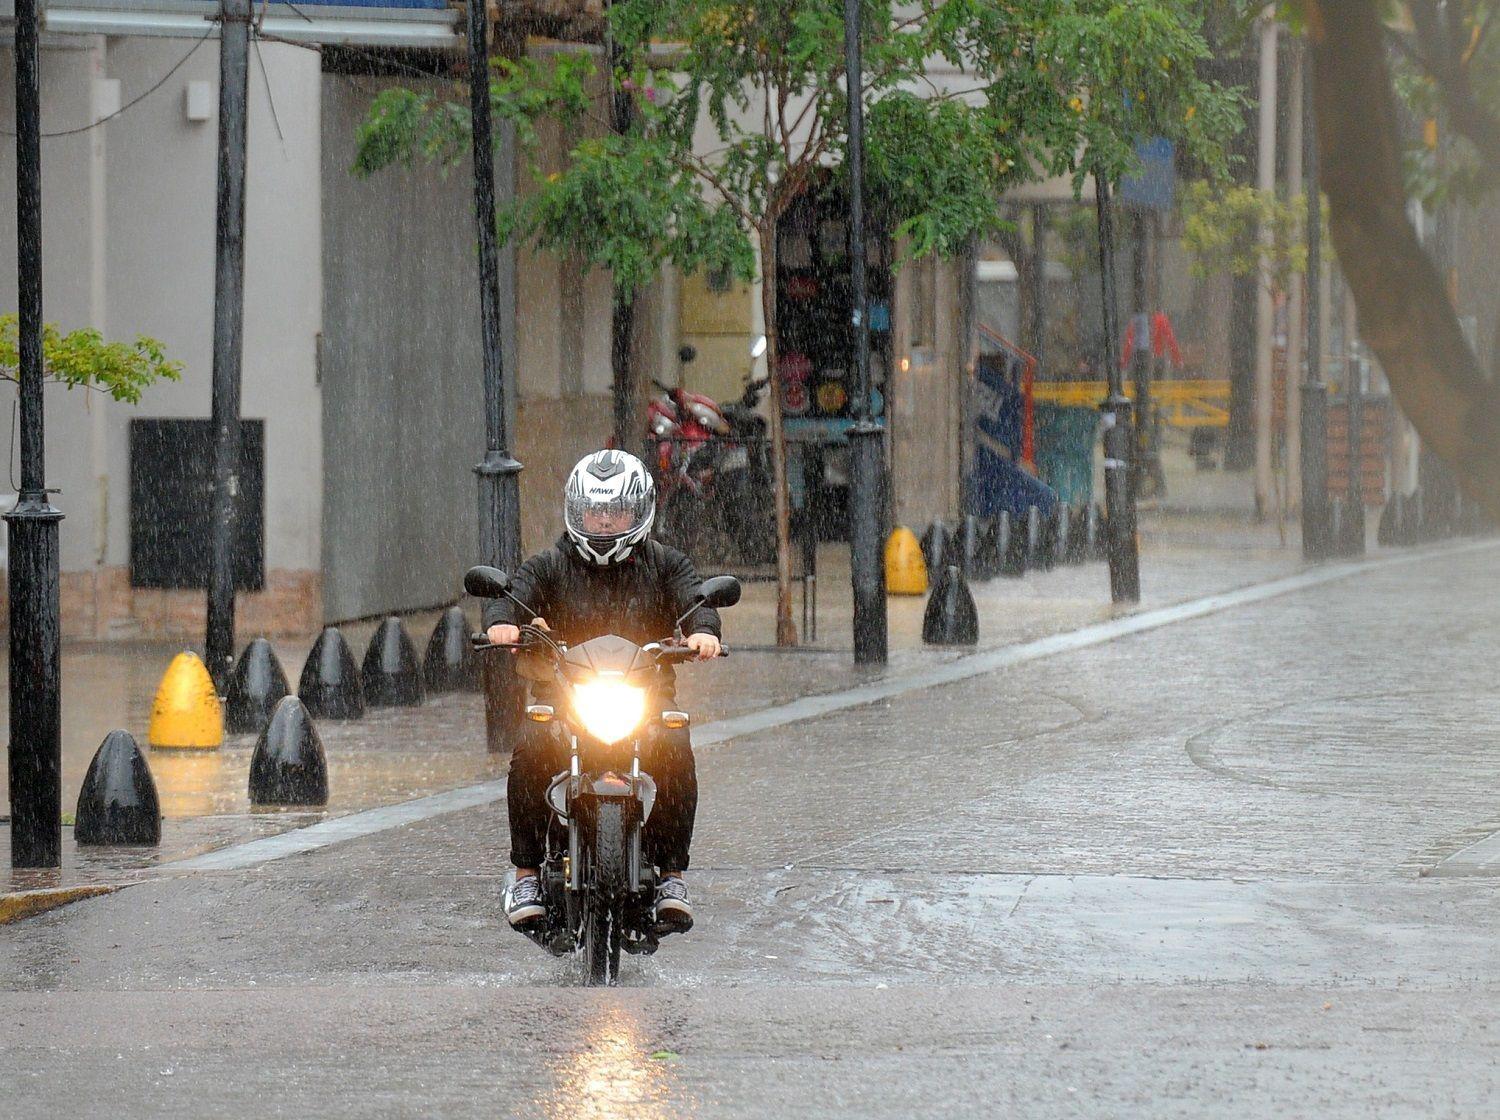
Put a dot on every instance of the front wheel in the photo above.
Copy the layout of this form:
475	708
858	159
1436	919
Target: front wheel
604	906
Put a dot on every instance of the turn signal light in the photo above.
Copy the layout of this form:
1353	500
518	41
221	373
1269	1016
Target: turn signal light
674	720
540	713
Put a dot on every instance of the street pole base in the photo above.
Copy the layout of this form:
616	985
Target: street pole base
867	543
32	532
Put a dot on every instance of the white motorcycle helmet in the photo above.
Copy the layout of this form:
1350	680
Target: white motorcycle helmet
608	506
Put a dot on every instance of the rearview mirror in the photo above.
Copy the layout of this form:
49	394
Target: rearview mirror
485	582
720	591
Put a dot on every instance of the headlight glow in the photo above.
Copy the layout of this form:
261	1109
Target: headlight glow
609	709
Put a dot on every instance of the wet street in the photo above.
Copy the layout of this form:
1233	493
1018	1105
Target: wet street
1234	865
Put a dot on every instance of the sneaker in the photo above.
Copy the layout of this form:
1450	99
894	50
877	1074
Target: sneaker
674	914
523	901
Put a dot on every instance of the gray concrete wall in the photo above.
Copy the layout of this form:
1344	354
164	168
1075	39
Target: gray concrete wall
403	420
128	210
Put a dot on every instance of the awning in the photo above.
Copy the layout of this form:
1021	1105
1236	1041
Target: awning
387	23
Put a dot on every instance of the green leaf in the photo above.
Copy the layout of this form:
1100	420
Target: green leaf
83	359
753	110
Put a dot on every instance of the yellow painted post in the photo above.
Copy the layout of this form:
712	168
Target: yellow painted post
905	570
186	714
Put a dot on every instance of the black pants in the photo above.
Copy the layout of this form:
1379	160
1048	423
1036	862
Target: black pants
666	755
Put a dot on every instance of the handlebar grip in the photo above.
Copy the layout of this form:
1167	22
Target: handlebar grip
480	643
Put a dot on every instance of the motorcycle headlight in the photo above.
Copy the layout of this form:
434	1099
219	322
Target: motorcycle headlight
609	710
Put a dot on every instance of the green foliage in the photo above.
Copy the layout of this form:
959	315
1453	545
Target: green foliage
747	111
83	358
1221	228
1125	70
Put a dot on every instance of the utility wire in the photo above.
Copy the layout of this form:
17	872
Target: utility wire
133	102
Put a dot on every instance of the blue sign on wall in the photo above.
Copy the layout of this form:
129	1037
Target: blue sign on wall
1153	187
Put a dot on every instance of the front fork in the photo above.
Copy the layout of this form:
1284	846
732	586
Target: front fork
571	798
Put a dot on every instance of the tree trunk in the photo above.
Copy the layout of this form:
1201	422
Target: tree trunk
1404	312
628	434
786	629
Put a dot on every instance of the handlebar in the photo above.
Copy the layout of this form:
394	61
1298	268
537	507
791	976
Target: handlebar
678	655
665	654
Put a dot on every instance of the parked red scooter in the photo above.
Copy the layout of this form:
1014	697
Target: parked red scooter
712	472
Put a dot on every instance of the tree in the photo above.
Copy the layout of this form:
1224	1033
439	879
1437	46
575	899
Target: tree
1221	226
742	111
1405	314
82	358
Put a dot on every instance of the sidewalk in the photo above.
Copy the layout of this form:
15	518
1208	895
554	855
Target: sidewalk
1190	548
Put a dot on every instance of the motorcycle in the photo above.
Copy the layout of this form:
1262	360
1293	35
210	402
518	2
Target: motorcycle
598	888
713	474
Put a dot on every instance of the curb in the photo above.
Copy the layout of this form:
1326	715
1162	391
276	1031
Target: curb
26	904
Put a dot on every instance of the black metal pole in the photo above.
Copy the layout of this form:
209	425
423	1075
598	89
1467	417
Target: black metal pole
1354	544
1144	475
499	473
229	315
867	435
32	526
1156	302
1119	490
1315	543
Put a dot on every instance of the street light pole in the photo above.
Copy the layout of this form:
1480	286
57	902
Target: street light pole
499	473
1315	542
229	318
32	526
1119	446
867	434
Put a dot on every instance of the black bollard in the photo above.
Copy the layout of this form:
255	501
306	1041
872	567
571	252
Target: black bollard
1061	527
255	688
951	618
391	676
1421	517
329	686
1039	555
1336	527
1097	534
966	545
988	555
1012	546
450	664
1354	528
937	548
1392	522
118	802
1078	535
288	766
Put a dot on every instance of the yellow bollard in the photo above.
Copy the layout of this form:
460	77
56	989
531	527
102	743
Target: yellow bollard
186	714
905	570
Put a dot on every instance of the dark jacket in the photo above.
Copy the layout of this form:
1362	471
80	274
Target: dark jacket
638	599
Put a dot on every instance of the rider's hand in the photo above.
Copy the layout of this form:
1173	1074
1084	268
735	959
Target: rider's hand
502	634
704	645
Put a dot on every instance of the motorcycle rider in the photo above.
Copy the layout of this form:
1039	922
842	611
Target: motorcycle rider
606	575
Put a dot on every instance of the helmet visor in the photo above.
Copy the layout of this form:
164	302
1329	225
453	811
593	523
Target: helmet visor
604	518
